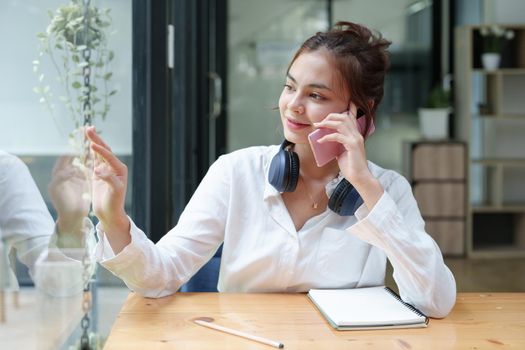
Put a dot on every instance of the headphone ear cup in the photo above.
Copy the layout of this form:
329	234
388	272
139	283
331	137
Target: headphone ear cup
345	199
294	171
284	170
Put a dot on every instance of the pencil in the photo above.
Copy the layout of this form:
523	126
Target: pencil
262	340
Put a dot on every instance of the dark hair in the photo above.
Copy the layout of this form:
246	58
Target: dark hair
361	57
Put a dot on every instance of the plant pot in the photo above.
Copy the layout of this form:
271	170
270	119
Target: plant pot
433	123
490	60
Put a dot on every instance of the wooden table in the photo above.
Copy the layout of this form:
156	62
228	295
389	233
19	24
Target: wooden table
478	321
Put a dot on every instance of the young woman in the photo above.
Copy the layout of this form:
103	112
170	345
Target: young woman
270	205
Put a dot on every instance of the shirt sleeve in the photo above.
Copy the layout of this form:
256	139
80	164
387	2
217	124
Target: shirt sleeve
157	270
25	221
67	265
395	225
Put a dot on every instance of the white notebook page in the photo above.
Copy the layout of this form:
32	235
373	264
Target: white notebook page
363	307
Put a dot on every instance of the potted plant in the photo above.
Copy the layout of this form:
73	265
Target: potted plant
75	42
493	38
434	117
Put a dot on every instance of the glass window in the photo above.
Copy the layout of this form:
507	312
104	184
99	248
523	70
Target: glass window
262	38
42	98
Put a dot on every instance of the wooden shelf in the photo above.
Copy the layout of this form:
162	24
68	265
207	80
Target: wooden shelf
496	137
503	162
437	173
507	208
498	252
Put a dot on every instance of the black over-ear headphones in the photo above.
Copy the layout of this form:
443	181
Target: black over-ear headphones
284	175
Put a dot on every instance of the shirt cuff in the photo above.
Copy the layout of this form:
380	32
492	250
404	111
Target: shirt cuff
370	225
66	240
106	256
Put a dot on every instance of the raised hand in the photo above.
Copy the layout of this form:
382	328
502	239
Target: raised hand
70	193
110	178
352	163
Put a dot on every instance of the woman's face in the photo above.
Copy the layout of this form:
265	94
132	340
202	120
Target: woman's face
312	90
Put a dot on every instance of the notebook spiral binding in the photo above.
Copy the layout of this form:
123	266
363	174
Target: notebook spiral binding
411	307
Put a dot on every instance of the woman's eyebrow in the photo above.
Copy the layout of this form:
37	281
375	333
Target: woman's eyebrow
314	85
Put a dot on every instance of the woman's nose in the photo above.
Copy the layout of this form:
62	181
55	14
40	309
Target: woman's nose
296	104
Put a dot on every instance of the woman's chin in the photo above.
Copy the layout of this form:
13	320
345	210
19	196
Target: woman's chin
295	137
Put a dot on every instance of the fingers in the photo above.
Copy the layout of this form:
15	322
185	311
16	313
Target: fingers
353	109
332	121
341	138
108	157
62	162
99	147
109	176
95	138
342	123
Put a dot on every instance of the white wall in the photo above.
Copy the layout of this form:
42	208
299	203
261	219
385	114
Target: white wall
26	127
504	11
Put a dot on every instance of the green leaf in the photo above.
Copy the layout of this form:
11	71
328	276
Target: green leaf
108	76
76	85
113	92
111	55
37	90
58	46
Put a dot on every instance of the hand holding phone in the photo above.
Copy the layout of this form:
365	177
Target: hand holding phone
325	152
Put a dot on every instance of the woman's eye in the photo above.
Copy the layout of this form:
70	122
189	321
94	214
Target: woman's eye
316	96
288	87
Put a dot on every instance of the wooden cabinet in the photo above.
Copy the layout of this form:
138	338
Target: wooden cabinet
437	173
490	117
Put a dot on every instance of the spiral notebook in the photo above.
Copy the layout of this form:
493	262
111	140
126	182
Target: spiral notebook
366	308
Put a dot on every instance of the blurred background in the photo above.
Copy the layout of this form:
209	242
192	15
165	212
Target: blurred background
176	83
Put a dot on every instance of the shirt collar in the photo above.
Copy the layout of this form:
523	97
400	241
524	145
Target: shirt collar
270	191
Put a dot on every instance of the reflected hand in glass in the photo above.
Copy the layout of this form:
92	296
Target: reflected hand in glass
70	193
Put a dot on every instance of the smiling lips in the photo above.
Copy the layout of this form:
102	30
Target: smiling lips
292	124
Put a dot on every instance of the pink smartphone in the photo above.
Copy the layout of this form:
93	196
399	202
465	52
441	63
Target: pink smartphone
324	152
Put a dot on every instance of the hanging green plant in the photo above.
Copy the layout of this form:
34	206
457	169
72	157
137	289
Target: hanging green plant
76	29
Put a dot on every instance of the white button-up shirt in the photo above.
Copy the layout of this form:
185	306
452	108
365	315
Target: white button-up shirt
263	252
25	222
